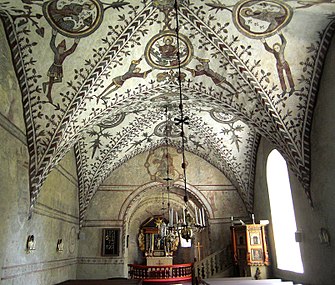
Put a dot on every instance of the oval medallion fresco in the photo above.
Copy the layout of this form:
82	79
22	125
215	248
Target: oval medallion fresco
74	18
221	117
169	129
259	19
112	121
161	51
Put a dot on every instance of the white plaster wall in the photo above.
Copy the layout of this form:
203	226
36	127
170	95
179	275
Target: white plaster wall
318	259
56	212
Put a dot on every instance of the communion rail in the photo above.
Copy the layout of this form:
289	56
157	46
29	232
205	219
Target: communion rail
161	273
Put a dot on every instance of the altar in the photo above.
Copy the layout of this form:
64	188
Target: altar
158	261
157	250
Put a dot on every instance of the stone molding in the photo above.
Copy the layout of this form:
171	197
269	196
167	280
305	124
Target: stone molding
12	129
67	175
18	270
44	210
102	223
100	260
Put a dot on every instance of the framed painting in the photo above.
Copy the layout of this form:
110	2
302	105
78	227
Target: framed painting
256	255
255	237
111	242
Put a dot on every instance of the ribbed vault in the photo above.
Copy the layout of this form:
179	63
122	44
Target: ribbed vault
99	76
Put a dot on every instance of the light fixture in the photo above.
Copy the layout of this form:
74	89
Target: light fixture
60	245
186	225
30	244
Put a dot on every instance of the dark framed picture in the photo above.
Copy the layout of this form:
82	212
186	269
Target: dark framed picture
111	242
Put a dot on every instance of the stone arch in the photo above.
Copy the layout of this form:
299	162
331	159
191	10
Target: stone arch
140	191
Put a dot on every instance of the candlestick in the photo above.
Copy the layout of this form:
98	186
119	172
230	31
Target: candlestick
200	218
171	217
203	217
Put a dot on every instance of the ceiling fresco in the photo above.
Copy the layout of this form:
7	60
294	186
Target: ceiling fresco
102	76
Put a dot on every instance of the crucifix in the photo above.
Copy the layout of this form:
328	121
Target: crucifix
198	246
159	262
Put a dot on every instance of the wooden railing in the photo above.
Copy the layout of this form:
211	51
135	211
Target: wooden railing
162	273
213	264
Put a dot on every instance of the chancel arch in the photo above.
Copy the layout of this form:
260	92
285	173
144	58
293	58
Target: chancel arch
130	205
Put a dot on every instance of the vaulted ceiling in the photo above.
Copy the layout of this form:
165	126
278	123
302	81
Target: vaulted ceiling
102	76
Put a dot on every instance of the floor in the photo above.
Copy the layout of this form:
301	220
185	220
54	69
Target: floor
118	282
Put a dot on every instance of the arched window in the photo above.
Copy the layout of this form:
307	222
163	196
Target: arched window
282	213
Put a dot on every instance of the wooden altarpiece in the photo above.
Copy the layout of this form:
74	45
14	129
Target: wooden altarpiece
158	251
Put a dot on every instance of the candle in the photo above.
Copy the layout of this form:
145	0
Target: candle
152	242
184	216
200	218
203	217
171	217
176	217
196	216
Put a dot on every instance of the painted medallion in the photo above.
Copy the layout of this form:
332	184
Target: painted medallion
74	18
169	129
221	117
161	162
161	51
259	19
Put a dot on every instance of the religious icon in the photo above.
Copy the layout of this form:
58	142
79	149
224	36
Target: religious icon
161	51
141	240
256	255
55	72
254	238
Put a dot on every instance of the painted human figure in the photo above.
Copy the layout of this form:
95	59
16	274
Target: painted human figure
55	72
118	81
168	50
204	69
282	65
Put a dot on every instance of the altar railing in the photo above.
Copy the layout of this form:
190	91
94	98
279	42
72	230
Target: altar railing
161	273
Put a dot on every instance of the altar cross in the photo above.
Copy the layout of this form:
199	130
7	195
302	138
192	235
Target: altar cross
198	246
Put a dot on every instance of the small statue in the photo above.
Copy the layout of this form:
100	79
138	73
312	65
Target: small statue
141	241
257	274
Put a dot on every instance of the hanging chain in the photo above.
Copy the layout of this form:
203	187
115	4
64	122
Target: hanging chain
183	120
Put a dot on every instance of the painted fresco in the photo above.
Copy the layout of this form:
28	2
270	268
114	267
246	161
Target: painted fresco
99	76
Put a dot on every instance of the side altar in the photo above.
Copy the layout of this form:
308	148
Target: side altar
157	251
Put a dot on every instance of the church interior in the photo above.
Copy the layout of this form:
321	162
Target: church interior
136	138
